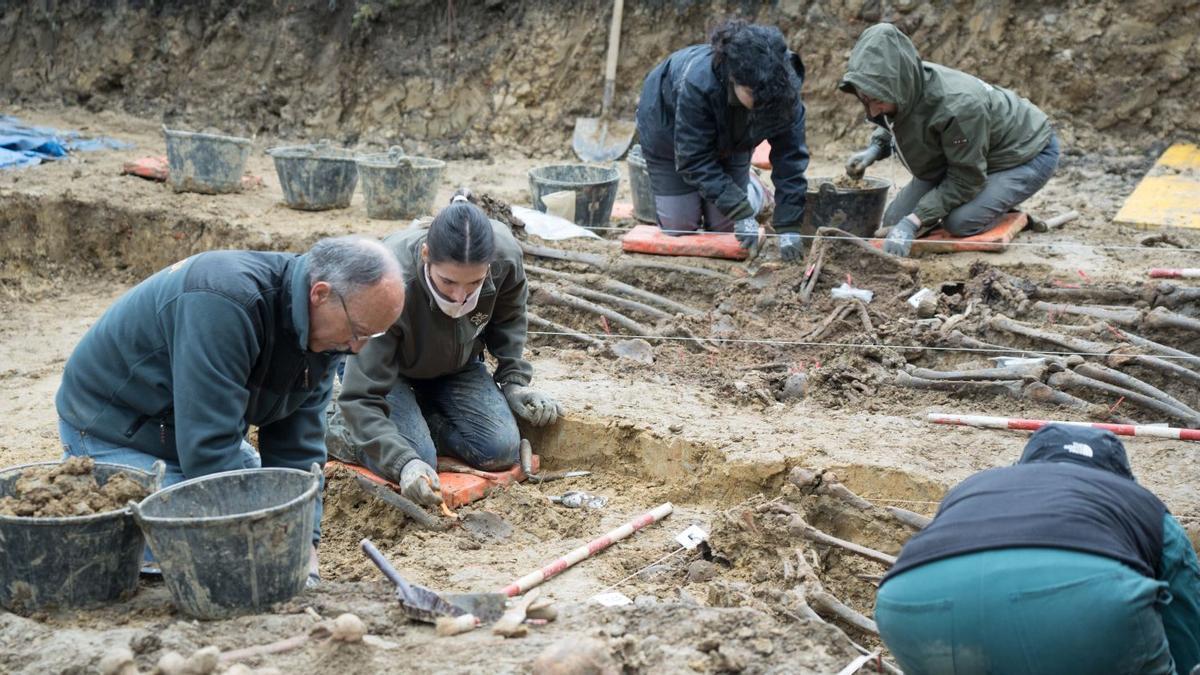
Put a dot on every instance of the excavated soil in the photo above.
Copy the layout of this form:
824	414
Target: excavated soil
68	489
719	430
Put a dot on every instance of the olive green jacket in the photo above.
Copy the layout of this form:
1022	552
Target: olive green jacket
424	343
949	127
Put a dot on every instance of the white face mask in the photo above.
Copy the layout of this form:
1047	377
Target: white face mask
454	310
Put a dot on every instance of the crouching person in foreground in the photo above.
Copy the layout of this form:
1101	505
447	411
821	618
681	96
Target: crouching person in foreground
1060	563
424	388
181	365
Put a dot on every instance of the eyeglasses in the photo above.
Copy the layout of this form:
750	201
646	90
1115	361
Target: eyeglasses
349	322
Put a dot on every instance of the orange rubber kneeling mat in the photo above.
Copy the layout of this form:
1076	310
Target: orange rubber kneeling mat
458	489
650	239
153	168
995	239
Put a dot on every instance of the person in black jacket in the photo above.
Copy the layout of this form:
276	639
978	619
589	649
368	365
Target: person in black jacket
1060	563
702	112
179	367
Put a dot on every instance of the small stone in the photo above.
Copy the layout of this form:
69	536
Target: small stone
637	350
676	428
700	571
143	642
795	387
644	601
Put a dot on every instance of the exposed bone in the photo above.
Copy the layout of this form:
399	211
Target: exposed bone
958	339
603	282
843	237
1071	380
1162	238
798	526
1000	322
1161	317
1018	372
774	365
1116	377
866	318
826	604
1033	391
910	518
1124	316
1110	295
549	295
1183	357
567	331
620	303
589	259
835	315
817	254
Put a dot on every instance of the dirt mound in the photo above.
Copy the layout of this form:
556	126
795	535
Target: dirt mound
68	489
460	80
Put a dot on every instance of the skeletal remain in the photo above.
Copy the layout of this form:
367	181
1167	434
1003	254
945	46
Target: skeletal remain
620	303
1116	377
836	315
1003	323
512	624
345	628
799	527
1161	317
1185	358
817	255
602	262
548	295
612	285
1031	391
843	237
910	518
1017	372
567	331
826	604
1072	380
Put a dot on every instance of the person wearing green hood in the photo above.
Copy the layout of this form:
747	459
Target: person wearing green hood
974	150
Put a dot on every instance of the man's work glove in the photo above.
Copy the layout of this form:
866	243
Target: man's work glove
531	405
857	165
900	240
419	482
791	247
746	232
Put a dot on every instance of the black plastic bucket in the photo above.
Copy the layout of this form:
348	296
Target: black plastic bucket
397	186
233	542
858	211
315	177
70	562
205	163
595	189
639	187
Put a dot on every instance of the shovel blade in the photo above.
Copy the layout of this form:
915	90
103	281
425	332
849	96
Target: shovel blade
602	140
487	607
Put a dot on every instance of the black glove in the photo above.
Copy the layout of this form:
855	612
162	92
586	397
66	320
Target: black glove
791	247
746	232
857	165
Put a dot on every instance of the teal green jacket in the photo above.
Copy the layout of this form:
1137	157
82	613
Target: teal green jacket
183	363
950	128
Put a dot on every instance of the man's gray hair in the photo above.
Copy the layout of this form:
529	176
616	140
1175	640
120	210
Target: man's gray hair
350	264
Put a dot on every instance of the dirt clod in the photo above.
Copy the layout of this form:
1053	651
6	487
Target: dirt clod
68	489
571	656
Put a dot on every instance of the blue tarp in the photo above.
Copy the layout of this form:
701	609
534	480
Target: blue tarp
22	145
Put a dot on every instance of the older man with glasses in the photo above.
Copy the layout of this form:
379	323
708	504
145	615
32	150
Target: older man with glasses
182	364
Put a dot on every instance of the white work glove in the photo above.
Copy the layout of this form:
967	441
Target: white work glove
900	240
419	482
531	405
857	165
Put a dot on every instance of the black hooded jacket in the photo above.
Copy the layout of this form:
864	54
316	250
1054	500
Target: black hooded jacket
1072	489
688	112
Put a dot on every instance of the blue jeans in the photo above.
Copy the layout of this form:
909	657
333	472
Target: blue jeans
78	444
1002	191
1025	611
463	414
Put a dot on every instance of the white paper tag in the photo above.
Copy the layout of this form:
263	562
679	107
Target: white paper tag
920	295
691	537
612	599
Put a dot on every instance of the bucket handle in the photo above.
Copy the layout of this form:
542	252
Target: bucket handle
137	514
159	469
396	153
827	189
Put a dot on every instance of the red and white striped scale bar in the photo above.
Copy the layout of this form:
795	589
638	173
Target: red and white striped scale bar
1175	273
587	550
1033	425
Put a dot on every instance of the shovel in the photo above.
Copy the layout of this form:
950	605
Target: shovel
423	604
604	139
